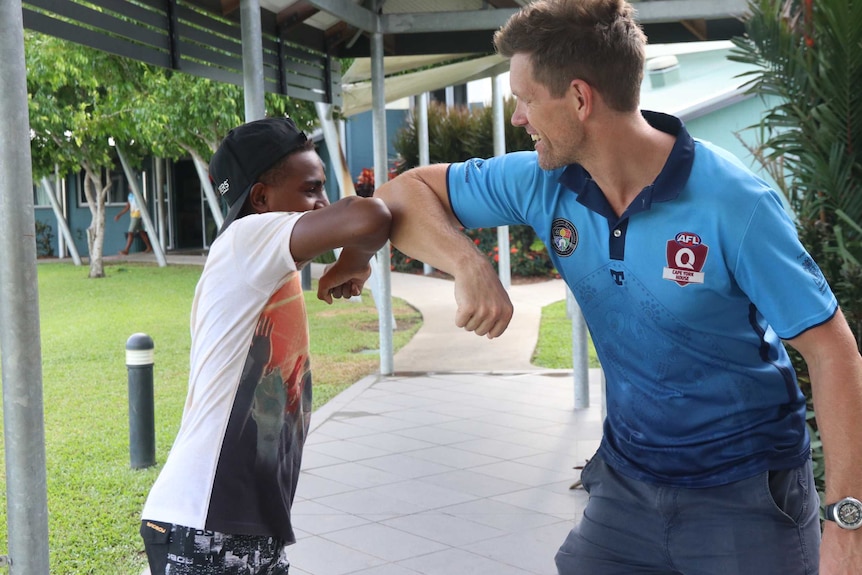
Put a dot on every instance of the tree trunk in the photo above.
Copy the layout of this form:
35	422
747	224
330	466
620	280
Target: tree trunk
96	190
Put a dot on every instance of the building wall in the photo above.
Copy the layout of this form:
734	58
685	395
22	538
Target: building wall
79	217
359	136
729	128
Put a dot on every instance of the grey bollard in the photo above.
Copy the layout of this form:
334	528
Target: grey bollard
142	435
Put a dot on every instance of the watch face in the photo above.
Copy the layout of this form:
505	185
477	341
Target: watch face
849	513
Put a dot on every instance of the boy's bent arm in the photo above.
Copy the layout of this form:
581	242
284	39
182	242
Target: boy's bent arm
425	228
359	224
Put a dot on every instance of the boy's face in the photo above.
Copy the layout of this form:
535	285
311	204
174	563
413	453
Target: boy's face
303	188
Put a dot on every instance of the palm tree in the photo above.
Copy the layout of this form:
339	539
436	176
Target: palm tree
808	59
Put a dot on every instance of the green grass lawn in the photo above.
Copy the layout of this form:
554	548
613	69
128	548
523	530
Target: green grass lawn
554	348
94	497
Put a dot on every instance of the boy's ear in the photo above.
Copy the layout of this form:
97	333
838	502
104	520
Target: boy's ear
257	198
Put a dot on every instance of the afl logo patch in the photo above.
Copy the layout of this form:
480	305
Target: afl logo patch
686	254
564	237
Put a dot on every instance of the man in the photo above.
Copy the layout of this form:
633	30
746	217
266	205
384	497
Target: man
222	503
689	274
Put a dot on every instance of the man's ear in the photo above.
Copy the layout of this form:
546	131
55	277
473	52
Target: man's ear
257	199
582	94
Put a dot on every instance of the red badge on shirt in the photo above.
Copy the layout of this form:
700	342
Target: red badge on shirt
686	254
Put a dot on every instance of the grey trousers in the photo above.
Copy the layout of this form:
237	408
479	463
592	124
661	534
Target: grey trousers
765	525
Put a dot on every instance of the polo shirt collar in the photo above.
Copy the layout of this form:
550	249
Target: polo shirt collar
667	186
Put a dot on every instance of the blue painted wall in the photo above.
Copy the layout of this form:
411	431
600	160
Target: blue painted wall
359	139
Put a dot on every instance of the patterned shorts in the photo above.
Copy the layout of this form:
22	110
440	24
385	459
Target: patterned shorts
177	550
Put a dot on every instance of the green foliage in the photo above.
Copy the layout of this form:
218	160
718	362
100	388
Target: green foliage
94	497
78	98
81	98
44	240
809	55
182	113
458	134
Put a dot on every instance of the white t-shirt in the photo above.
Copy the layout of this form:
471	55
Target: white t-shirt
235	461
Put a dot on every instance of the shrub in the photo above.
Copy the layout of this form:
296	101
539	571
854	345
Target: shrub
44	240
811	141
457	134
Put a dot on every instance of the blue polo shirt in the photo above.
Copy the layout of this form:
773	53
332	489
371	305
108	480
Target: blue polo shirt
686	295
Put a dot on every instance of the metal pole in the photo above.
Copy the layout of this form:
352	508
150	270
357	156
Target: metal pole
421	112
160	201
580	354
305	278
65	232
20	347
382	261
60	195
142	434
331	137
212	200
252	59
149	228
504	265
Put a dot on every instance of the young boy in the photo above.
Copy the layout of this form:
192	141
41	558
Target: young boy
221	504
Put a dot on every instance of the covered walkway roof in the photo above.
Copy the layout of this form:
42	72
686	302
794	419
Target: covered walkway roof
303	40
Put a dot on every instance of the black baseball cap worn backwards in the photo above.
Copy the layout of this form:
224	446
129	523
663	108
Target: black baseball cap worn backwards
245	154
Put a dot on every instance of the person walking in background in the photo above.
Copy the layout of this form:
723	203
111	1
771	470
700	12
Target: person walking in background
689	274
136	225
222	502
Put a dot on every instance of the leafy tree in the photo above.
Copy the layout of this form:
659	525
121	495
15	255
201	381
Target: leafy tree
79	98
184	115
808	56
187	116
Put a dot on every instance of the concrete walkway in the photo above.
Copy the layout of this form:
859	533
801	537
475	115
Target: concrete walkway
461	463
439	346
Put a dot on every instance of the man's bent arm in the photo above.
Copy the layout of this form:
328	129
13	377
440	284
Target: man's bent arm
425	228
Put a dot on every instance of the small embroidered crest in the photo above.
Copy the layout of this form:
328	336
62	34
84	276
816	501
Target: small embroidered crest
564	237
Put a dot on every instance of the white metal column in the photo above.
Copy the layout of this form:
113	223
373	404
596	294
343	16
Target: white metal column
504	263
384	275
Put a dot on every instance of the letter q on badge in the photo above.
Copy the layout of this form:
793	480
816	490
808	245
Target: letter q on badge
686	254
564	237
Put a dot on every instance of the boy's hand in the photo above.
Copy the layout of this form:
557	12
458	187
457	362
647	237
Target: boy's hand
342	280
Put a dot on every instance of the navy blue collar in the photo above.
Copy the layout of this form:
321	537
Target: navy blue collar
667	186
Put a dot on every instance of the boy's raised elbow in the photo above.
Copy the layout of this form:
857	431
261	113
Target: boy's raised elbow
373	219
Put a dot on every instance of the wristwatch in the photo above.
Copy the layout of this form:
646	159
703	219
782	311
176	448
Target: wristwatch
847	513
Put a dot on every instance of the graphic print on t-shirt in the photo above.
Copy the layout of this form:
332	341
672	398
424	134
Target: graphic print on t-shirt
260	458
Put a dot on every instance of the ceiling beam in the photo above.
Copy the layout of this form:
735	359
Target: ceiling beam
345	10
647	13
656	11
296	13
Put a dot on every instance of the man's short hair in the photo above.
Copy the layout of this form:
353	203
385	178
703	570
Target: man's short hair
597	41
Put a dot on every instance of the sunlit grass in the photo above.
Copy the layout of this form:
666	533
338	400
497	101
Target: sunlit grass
554	348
